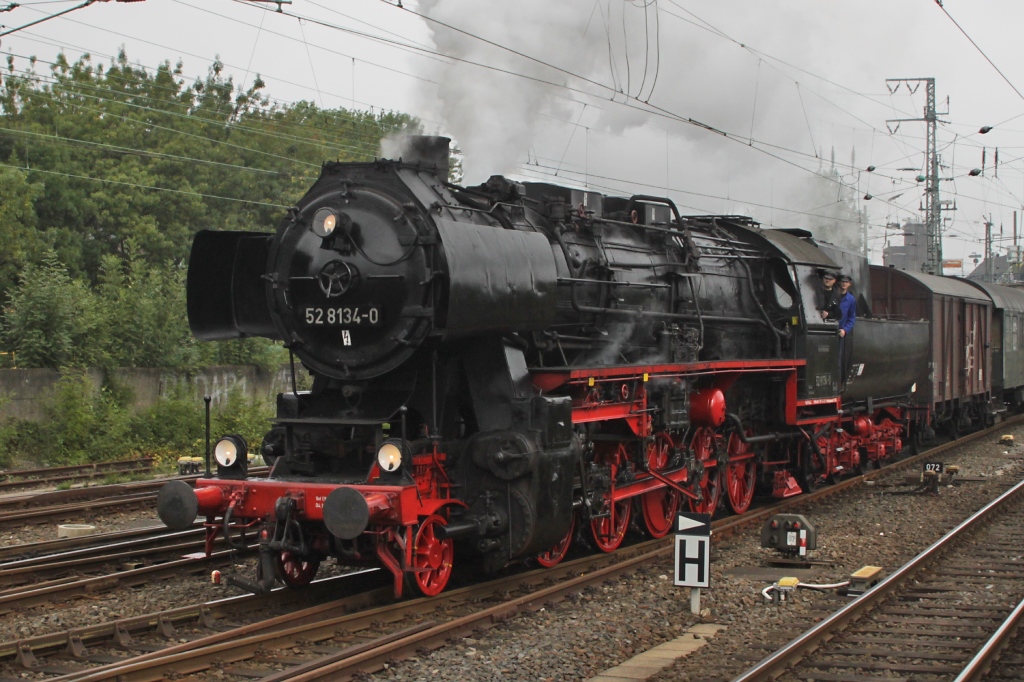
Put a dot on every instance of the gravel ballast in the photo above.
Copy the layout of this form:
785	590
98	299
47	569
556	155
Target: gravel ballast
606	625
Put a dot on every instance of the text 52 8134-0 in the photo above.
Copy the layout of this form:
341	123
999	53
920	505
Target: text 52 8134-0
343	316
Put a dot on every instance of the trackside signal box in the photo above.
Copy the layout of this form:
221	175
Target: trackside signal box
789	534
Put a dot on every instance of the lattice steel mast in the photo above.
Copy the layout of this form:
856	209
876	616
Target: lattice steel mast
932	206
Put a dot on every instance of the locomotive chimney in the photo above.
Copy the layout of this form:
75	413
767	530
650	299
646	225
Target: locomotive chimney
428	151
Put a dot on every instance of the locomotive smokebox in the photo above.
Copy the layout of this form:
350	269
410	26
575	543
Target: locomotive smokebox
428	151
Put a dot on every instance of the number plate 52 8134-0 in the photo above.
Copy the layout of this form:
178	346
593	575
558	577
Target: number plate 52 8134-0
342	316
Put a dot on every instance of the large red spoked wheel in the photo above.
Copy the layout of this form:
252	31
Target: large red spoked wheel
557	553
740	475
431	557
709	484
295	571
659	507
609	531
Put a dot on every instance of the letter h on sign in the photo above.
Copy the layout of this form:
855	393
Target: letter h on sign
693	560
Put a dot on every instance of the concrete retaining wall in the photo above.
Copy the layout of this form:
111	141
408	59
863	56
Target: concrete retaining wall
23	391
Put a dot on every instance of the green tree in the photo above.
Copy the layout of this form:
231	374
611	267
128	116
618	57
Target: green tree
119	165
21	242
52	320
144	306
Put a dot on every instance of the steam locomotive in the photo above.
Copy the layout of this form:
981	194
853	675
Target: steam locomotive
508	368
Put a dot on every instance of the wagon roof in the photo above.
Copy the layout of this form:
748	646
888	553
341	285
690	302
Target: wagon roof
947	286
1006	298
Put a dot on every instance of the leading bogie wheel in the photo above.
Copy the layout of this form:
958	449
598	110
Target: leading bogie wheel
294	570
659	507
432	557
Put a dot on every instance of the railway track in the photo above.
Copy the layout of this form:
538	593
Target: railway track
926	620
375	644
33	478
118	554
1001	659
47	506
325	633
61	589
50	548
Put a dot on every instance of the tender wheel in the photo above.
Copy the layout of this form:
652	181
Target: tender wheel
740	475
557	553
659	507
431	558
710	482
295	571
609	531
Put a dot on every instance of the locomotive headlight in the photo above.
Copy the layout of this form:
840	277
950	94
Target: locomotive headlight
324	222
389	457
228	449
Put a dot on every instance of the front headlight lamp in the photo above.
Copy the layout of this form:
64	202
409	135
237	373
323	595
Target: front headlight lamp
324	222
229	449
389	457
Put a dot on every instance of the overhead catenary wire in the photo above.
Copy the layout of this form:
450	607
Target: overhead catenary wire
798	164
350	116
978	48
242	127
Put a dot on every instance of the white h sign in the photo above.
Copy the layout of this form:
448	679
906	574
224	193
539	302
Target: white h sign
693	561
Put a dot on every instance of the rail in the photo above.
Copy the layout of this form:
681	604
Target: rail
777	663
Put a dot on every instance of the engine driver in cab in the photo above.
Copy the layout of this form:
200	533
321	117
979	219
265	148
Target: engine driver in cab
829	308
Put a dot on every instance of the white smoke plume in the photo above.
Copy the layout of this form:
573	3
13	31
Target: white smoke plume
708	61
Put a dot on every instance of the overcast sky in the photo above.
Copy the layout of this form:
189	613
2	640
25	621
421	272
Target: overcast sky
633	97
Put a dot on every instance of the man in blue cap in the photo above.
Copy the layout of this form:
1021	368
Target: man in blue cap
847	318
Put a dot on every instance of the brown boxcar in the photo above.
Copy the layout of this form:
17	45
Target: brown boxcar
1007	342
958	387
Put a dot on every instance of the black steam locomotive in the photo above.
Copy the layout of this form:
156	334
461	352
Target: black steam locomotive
508	367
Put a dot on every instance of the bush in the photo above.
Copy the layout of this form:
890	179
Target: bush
245	415
83	424
176	425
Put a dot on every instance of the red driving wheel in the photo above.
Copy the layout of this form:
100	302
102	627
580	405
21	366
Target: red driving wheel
609	531
561	548
709	485
740	475
659	506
